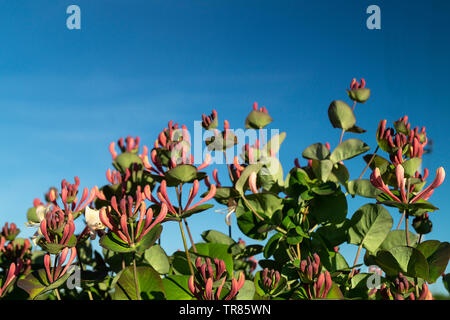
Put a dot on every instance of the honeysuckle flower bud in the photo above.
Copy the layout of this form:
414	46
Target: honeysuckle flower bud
426	193
358	92
205	163
11	274
422	224
209	196
310	269
400	175
216	178
252	182
236	285
51	195
425	294
377	182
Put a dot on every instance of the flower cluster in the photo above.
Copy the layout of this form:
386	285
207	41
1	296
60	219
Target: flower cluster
121	216
316	283
201	285
404	289
57	271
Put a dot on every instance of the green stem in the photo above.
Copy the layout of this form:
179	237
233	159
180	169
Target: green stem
407	229
368	163
186	247
57	294
190	235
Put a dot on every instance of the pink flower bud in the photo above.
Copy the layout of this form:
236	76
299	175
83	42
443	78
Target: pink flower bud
252	182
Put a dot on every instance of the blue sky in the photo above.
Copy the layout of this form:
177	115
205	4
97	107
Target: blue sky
134	65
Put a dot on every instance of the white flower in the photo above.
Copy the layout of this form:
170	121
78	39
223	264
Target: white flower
93	221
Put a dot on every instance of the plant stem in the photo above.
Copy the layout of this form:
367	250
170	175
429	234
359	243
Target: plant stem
190	235
407	229
299	256
136	283
57	294
368	163
401	219
407	214
356	260
342	136
186	247
54	275
228	166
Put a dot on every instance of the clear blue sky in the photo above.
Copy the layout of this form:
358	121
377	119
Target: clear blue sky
134	65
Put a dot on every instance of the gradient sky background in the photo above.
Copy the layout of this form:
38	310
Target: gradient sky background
134	65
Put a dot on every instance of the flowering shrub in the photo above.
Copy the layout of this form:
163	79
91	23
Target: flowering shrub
303	216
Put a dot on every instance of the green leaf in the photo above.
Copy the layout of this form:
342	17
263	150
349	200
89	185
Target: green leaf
363	188
112	242
36	283
335	293
126	160
397	238
149	283
157	258
272	245
370	226
250	225
265	204
348	149
331	208
216	250
378	162
247	292
257	120
55	248
316	151
181	174
410	261
437	255
197	209
360	95
270	176
149	239
217	237
176	287
334	234
341	115
322	169
324	189
411	166
339	174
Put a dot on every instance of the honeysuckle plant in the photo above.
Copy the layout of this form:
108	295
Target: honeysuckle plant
106	241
